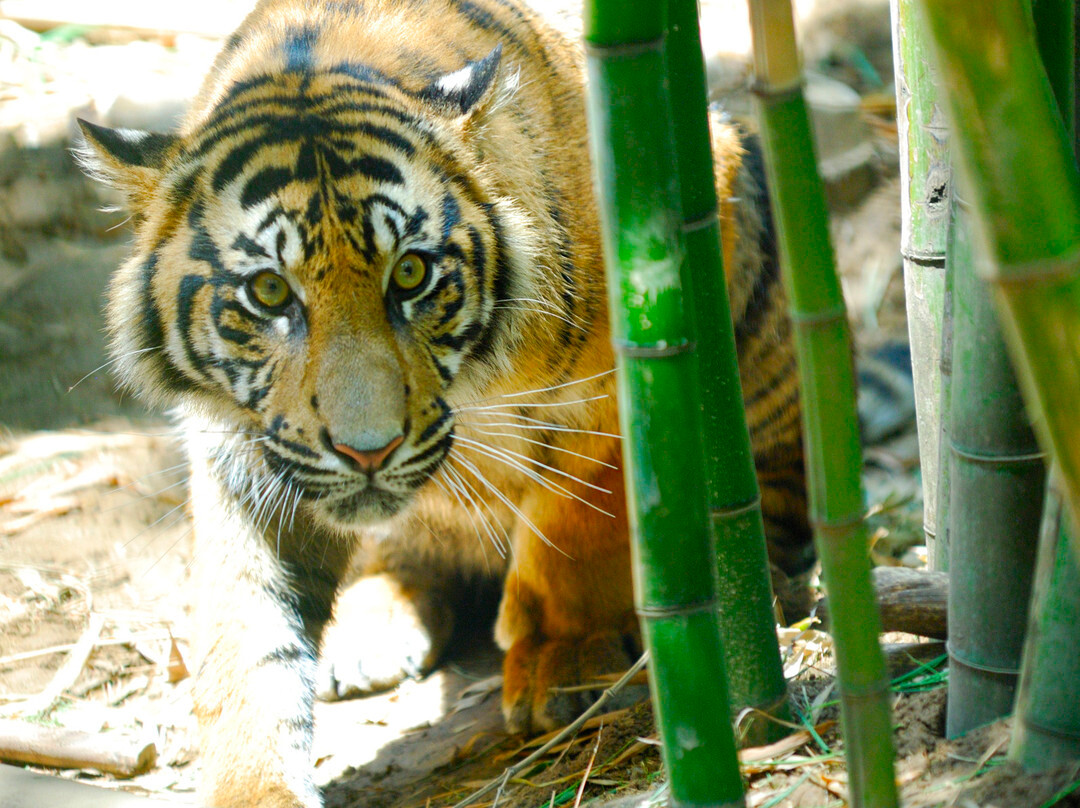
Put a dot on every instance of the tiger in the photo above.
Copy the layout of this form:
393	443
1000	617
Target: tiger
366	278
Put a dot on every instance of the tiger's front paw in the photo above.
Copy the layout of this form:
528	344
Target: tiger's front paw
536	671
382	633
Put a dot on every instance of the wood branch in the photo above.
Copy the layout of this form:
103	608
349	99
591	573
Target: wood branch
24	789
904	657
56	747
912	601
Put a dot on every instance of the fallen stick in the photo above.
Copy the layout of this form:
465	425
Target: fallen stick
24	789
912	601
59	748
902	657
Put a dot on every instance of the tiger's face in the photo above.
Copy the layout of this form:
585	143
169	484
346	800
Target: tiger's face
317	268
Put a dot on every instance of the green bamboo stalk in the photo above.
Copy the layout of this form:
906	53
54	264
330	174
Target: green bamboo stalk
747	626
1046	731
660	406
830	427
1017	156
1074	125
997	483
1055	35
925	182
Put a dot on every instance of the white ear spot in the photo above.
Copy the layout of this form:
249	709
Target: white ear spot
133	136
457	81
463	90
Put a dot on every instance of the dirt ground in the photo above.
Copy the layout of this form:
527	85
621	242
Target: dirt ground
95	536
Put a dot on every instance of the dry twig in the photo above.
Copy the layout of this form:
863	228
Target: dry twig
69	671
565	732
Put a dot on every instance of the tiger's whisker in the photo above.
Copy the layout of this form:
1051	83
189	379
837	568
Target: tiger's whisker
566	320
536	300
169	549
496	542
499	546
141	499
113	361
257	437
519	417
539	443
297	496
158	521
282	504
534	461
472	469
542	428
599	375
453	489
539	390
117	489
530	406
550	485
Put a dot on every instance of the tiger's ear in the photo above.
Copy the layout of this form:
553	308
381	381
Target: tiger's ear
466	92
128	159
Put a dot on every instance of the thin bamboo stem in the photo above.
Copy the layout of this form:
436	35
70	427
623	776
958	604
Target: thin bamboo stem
925	184
1017	156
755	672
660	405
831	436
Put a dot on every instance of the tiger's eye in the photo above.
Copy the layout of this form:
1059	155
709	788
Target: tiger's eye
409	272
270	289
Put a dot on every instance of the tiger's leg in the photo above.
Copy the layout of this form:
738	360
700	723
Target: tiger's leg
566	614
260	611
388	625
409	590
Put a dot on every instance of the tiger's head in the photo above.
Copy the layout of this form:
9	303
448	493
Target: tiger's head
317	264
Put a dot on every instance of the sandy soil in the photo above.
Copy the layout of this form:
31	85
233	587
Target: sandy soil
93	514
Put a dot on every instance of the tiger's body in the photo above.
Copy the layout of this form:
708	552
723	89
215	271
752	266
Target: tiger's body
367	274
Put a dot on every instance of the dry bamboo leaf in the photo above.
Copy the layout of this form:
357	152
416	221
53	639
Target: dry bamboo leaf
784	746
177	669
634	749
570	744
476	693
834	784
915	767
54	508
818	704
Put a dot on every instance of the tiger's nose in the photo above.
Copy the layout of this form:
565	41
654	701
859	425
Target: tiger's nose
370	460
